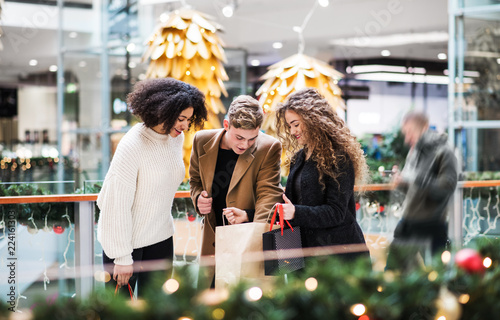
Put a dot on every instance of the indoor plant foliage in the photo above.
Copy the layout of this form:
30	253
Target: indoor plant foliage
326	289
48	217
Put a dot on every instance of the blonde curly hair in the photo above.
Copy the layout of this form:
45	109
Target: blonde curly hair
328	138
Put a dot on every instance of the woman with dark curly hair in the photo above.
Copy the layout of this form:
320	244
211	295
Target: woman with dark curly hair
326	161
136	224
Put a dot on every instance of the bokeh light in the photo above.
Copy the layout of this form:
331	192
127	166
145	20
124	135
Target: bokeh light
171	286
446	257
464	298
358	309
487	262
311	284
433	275
218	314
254	294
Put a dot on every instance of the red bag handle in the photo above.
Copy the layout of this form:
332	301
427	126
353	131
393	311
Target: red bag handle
129	290
279	209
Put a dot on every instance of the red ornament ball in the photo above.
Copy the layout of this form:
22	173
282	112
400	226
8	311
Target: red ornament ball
469	260
358	206
191	217
58	229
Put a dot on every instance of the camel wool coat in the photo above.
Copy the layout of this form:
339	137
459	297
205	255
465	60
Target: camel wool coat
255	183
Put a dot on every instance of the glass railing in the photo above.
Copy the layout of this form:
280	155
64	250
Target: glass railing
378	212
37	250
48	244
480	212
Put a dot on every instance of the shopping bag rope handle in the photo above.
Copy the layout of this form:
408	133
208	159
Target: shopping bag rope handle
279	209
129	290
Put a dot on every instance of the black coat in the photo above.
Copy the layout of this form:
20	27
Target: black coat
326	217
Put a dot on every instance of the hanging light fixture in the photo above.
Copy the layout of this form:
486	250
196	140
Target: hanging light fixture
228	9
294	73
324	3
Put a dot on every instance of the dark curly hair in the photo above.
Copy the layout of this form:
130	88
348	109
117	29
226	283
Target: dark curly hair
329	139
161	101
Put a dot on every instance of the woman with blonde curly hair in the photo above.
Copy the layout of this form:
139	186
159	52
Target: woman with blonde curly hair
325	162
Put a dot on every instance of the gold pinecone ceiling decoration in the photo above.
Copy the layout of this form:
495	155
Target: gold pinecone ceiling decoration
185	46
292	74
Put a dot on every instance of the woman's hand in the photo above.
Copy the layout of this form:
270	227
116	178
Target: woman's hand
288	209
122	274
235	215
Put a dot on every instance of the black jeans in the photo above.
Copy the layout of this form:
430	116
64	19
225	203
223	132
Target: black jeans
159	253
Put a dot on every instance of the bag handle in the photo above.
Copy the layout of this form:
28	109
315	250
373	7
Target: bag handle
279	209
129	290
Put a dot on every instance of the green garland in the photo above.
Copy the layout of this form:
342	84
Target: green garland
334	291
38	216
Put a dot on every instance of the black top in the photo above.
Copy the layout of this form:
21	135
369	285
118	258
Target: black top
326	216
296	184
226	161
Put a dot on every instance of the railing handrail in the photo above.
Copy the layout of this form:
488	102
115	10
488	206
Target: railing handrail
185	194
63	198
481	183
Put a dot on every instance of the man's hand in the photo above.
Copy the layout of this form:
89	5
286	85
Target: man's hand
235	215
122	274
396	179
204	203
288	209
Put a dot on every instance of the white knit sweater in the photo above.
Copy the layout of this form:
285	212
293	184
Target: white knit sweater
138	191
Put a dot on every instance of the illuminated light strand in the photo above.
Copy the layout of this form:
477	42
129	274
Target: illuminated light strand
46	279
65	264
17	303
2	224
33	222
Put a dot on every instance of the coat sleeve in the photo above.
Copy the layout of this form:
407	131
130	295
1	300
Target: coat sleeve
335	210
196	186
268	188
115	202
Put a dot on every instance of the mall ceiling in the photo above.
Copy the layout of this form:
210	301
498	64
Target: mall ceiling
344	30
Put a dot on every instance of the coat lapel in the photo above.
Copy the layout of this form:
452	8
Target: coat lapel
209	160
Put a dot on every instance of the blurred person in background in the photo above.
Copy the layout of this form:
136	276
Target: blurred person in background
428	180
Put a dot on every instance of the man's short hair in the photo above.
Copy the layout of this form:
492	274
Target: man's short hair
245	113
416	117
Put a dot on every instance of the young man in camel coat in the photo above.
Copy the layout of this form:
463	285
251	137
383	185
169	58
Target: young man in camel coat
234	172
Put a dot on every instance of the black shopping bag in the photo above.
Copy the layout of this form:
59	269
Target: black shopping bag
279	241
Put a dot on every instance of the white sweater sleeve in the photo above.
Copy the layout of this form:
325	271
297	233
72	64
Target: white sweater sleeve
115	201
